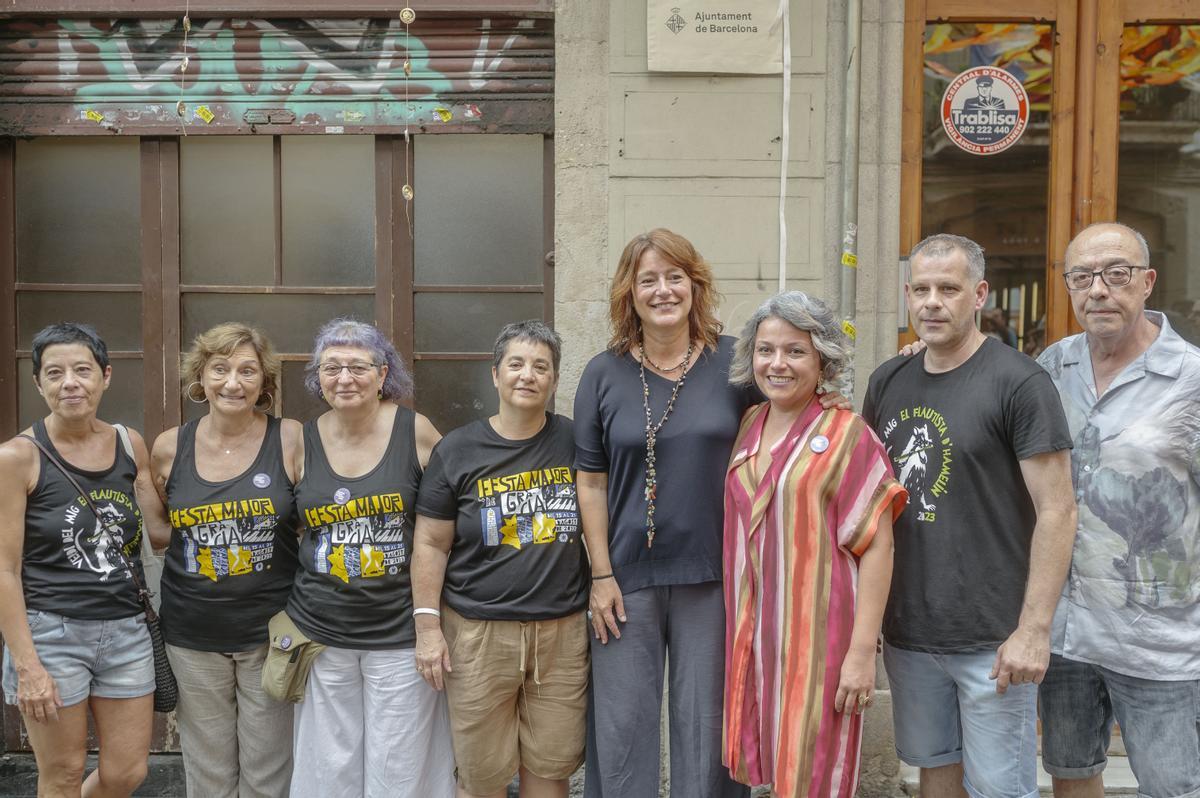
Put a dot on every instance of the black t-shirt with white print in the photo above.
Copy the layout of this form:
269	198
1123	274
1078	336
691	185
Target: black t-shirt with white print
518	550
956	440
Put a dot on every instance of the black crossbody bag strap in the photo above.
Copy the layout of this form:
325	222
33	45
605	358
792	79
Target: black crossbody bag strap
138	583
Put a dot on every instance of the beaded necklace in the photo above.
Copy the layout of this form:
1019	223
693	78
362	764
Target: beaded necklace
657	367
652	429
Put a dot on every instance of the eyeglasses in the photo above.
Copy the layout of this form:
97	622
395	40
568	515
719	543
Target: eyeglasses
333	370
1113	277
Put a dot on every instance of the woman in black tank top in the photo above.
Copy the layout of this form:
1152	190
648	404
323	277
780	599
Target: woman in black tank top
227	481
65	587
369	725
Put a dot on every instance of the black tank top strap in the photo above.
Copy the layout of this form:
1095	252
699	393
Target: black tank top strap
185	453
314	452
404	437
42	437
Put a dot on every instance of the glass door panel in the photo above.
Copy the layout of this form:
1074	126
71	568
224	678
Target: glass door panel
1158	166
998	200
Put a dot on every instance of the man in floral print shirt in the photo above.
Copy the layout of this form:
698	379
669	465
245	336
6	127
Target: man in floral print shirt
1126	634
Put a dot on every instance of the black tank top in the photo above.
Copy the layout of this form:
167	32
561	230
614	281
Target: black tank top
232	556
69	565
353	588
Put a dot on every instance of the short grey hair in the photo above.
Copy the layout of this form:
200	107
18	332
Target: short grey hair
345	331
939	245
532	330
1143	247
805	313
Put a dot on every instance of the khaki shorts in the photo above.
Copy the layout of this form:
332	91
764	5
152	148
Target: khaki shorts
517	696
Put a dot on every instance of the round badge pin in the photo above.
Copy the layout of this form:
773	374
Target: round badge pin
261	480
285	642
819	444
985	110
341	495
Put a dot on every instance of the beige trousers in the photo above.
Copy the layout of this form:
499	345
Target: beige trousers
237	742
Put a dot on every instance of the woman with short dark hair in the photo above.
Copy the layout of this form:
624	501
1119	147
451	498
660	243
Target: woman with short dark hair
74	630
499	584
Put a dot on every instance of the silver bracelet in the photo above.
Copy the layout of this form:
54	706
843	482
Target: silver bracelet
426	611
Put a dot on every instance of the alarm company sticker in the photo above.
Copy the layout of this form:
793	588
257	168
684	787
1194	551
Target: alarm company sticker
985	110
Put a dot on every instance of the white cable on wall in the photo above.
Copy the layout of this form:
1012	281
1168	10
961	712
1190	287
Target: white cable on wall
785	140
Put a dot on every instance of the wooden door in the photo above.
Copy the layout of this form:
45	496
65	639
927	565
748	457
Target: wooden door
1114	133
1016	203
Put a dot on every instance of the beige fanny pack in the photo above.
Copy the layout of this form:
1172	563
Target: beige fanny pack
289	659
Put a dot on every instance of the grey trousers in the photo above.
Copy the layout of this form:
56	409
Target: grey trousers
625	702
236	740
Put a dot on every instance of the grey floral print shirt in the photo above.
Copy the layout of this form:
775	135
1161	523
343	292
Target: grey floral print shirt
1132	601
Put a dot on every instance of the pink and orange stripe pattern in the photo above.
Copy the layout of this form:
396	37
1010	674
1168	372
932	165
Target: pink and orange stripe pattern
792	542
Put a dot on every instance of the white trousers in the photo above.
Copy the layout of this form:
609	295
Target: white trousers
236	739
369	727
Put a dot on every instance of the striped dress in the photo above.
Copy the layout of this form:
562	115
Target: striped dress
792	543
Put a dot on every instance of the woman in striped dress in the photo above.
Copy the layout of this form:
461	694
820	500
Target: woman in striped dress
809	504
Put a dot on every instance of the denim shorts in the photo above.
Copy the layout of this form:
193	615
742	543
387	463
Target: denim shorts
1159	723
947	710
107	659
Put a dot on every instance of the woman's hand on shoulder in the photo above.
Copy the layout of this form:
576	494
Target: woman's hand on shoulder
427	437
833	400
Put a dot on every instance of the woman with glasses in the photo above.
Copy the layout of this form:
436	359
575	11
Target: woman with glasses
369	724
227	479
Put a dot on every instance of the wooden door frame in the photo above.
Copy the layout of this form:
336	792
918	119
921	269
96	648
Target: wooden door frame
1065	147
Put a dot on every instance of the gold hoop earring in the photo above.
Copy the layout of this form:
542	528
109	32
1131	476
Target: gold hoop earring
270	401
188	394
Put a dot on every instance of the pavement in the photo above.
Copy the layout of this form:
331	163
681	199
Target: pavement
18	778
1118	778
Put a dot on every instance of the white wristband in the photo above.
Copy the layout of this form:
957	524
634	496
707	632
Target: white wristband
426	611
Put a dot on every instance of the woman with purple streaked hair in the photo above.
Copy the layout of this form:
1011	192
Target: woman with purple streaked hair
369	724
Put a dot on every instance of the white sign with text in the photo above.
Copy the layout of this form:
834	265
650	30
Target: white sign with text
729	36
